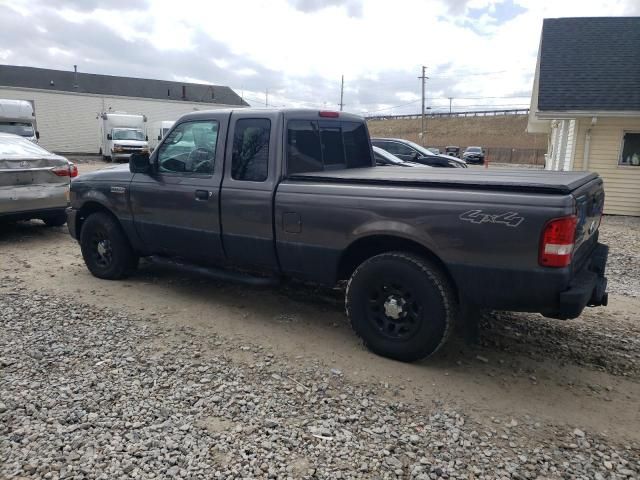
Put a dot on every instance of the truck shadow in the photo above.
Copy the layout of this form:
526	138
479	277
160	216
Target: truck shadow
596	340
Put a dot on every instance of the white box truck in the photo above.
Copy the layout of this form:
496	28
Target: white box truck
19	117
122	134
157	130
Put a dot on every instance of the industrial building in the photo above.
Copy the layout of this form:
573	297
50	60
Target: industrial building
67	103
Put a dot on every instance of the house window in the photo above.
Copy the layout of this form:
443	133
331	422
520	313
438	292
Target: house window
630	149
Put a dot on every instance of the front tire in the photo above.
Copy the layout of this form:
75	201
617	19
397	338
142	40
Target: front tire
401	305
105	248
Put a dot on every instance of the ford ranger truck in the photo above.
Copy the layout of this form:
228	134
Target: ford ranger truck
296	194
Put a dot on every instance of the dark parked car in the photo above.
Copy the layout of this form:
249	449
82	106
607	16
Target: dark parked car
473	155
452	151
296	193
412	152
384	158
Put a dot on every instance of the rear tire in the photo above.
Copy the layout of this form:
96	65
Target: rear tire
55	220
105	248
401	305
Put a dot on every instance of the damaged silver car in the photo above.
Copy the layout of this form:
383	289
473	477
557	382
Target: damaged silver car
34	183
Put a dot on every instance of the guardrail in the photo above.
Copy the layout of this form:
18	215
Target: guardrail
472	113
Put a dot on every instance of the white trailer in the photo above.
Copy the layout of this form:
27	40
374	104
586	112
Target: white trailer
157	130
19	117
121	134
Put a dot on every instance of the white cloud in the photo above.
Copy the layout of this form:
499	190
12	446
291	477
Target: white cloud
474	48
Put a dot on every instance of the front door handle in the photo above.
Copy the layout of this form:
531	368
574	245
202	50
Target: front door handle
203	195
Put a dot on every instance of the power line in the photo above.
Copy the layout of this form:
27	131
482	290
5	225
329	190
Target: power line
391	108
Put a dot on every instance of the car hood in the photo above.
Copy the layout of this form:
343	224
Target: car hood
115	173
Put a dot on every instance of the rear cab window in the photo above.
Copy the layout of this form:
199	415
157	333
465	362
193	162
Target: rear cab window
318	145
250	155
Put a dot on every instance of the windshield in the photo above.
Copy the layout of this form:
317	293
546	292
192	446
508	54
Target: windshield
17	128
474	149
127	134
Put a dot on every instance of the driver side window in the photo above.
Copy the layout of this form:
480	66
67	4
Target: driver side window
190	148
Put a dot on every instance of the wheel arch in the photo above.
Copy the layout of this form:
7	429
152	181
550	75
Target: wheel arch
372	245
88	209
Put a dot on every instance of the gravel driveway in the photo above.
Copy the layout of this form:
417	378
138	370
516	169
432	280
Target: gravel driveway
94	393
169	375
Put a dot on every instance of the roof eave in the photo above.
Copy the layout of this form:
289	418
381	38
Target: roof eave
559	114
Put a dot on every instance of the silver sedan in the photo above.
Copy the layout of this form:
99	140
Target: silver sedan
34	183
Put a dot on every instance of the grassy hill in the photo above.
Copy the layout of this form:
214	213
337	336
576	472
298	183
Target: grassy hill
507	131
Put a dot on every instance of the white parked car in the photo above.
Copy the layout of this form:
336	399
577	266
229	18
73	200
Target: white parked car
34	183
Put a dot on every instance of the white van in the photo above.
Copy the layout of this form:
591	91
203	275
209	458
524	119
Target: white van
19	117
157	130
122	134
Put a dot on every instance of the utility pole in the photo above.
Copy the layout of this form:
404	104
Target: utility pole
424	79
450	100
266	97
342	93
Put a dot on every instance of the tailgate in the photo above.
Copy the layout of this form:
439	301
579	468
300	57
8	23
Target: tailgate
17	172
589	207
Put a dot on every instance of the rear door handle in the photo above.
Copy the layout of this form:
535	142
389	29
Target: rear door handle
203	195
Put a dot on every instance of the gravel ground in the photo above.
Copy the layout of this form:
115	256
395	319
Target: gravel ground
622	234
614	349
88	392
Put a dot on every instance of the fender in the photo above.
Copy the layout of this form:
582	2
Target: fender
115	199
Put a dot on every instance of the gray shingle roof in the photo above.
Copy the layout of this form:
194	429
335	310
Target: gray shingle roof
59	80
590	64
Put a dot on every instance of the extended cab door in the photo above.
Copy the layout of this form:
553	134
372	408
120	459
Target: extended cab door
175	208
251	176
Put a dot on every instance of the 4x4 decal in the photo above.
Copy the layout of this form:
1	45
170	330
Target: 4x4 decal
510	219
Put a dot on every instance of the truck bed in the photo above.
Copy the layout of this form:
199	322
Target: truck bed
518	180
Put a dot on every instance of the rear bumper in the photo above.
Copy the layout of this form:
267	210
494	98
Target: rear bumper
25	199
31	214
72	216
554	292
587	289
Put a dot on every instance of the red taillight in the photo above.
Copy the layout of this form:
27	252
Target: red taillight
61	171
69	171
328	114
556	246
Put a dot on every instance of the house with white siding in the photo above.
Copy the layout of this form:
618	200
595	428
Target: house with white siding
67	103
586	96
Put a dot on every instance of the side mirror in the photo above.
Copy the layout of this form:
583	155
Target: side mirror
416	155
109	137
139	163
37	134
146	137
159	137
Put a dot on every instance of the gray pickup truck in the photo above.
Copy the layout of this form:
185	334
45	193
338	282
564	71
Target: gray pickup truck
296	194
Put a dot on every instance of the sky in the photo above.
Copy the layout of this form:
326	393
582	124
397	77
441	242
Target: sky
481	53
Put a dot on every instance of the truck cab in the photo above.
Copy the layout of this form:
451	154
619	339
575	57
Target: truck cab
121	135
18	117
